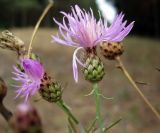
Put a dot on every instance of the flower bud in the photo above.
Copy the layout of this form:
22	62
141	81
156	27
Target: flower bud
111	50
12	42
32	57
94	70
49	90
26	120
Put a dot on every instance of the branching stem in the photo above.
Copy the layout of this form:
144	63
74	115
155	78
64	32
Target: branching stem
121	66
63	106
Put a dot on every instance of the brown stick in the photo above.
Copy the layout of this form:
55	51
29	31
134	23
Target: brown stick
3	110
121	66
50	4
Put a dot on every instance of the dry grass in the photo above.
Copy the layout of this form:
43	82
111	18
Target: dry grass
141	58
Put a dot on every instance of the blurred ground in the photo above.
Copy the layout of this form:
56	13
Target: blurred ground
141	58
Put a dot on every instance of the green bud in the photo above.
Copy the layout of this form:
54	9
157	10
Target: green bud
51	92
95	62
90	68
94	70
95	73
99	69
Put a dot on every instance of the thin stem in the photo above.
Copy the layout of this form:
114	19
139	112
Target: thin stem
112	125
50	4
62	105
72	125
121	66
7	114
91	126
97	100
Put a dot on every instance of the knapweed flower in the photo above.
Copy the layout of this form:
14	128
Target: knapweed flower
30	78
82	30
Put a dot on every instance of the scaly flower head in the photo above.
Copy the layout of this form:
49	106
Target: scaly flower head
82	30
30	78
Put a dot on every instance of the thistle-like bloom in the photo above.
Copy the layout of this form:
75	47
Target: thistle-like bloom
82	30
30	79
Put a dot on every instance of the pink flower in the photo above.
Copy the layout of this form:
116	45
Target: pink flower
30	79
118	30
82	30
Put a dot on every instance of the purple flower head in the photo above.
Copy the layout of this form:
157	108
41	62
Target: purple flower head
118	30
82	30
30	79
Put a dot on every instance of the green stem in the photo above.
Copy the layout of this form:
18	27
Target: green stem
72	125
62	105
97	100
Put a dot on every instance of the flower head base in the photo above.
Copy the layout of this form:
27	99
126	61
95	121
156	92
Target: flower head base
12	42
30	78
94	70
50	90
83	31
111	50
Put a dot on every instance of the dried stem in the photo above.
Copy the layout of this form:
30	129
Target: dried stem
112	125
5	112
50	4
121	66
